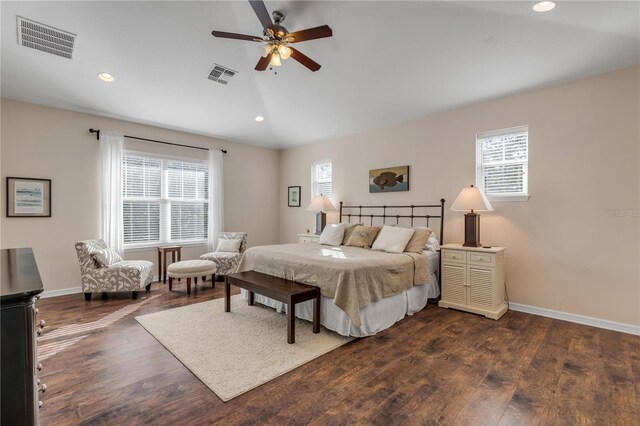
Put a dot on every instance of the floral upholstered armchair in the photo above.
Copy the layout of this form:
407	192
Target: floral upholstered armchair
103	270
227	262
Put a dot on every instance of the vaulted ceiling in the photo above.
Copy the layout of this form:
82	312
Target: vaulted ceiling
387	62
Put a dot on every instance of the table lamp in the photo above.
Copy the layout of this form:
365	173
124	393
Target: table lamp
471	199
320	204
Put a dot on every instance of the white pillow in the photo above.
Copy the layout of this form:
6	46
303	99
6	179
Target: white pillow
229	245
392	239
333	234
106	257
432	242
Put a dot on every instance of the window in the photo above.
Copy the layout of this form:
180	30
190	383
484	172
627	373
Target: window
502	159
164	200
321	178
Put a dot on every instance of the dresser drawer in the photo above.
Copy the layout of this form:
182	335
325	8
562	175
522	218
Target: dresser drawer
454	256
475	258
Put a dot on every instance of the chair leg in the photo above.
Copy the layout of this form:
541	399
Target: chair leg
148	287
87	296
188	286
195	281
134	295
213	281
170	283
104	295
204	278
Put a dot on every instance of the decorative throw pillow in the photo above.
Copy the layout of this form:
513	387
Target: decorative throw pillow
332	234
363	236
349	231
419	240
392	239
229	245
433	244
106	257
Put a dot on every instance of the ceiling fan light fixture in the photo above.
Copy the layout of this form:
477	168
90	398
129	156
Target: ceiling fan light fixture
284	51
275	60
544	6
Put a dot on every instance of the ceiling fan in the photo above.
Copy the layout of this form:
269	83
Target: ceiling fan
277	39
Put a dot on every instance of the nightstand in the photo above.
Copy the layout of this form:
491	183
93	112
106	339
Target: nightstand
308	238
473	279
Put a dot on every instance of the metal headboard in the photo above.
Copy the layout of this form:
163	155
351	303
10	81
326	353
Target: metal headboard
414	215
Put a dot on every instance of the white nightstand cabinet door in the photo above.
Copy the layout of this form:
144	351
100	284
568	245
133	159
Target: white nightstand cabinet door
480	284
453	283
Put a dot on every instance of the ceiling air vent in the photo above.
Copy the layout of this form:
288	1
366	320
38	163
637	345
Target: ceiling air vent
44	38
221	74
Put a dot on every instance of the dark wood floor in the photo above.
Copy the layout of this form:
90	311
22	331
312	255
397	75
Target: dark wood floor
438	366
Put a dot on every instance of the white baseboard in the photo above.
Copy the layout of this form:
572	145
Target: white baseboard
60	292
580	319
71	290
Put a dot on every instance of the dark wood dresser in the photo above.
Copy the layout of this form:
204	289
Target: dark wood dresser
19	384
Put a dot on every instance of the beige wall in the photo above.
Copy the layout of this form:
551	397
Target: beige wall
52	143
568	250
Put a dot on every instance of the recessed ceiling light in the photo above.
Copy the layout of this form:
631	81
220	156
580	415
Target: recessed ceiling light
259	118
105	76
544	6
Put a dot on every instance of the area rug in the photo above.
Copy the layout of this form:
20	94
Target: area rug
234	352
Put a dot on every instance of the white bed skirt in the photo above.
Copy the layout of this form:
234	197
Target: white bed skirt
374	317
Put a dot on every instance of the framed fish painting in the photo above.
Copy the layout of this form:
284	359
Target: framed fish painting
390	179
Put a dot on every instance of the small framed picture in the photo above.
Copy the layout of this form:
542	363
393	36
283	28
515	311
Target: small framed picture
294	196
28	197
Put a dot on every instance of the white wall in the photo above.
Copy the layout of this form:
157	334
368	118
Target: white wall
567	251
38	141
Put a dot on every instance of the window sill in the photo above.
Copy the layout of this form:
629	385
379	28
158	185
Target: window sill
507	198
154	246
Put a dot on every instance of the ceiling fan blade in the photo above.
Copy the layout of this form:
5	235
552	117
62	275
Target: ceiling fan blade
304	60
261	10
263	63
309	34
235	36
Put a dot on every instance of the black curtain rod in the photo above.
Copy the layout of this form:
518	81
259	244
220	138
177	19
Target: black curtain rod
97	132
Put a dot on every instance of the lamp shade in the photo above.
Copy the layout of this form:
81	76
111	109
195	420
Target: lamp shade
471	199
320	203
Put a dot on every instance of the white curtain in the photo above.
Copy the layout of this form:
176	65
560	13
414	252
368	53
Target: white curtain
216	209
111	190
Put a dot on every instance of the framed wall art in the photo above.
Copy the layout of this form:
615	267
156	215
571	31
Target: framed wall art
294	196
28	197
390	179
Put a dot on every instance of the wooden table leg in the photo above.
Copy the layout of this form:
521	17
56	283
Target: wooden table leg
188	286
159	266
227	296
291	321
316	313
164	267
251	298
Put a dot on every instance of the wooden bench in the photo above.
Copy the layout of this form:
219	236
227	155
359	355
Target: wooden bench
280	289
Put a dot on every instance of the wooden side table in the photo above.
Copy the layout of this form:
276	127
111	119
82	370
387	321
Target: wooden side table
176	251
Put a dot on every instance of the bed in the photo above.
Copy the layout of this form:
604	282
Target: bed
363	291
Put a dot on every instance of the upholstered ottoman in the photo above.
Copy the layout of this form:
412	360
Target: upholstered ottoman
191	269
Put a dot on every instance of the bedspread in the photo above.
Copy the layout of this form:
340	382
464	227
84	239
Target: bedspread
354	277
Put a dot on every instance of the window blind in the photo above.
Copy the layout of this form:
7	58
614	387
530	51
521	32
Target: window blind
164	200
321	178
502	162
